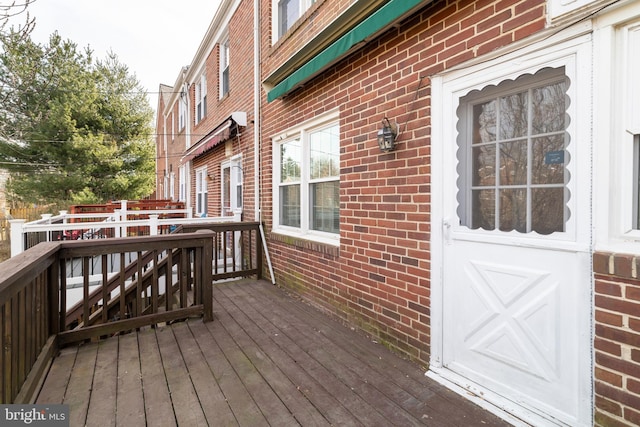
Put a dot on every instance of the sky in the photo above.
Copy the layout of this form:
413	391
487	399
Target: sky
154	38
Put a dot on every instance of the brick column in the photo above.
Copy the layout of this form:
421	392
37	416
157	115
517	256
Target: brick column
617	339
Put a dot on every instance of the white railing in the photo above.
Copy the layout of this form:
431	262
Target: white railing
65	226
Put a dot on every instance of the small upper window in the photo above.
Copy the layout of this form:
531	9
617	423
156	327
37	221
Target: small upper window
224	68
182	113
173	126
289	11
201	98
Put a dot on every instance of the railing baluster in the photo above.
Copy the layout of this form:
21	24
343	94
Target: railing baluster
15	344
62	291
154	284
105	291
139	285
3	380
123	294
85	290
169	281
182	277
7	351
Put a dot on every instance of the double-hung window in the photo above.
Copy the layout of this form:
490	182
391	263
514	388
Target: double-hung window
201	98
307	181
224	68
288	12
182	113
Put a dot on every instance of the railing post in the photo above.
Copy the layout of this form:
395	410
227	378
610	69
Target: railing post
17	236
48	218
207	276
153	225
118	231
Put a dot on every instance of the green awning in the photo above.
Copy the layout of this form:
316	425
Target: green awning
373	24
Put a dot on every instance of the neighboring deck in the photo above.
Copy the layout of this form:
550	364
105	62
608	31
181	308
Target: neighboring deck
266	359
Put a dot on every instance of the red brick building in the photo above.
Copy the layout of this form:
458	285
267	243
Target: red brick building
493	239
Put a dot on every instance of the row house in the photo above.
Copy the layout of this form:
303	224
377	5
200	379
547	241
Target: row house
206	134
456	178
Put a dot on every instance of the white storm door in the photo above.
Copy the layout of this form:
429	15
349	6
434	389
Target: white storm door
515	281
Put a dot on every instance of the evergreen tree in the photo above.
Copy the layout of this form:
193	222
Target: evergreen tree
72	129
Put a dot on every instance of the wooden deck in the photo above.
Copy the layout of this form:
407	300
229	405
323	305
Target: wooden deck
266	359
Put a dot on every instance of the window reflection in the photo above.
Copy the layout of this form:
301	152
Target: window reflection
518	160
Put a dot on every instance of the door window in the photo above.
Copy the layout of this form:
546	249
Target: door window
513	148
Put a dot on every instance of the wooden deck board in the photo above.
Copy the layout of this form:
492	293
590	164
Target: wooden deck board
300	347
214	405
186	404
353	373
129	396
362	370
102	408
157	398
266	359
244	408
272	408
54	388
80	384
290	359
268	365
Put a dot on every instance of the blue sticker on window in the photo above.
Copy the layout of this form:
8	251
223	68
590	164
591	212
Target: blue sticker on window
554	158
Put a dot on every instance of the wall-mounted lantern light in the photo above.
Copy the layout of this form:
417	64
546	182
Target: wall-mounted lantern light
387	135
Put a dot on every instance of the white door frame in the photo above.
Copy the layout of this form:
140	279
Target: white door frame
556	50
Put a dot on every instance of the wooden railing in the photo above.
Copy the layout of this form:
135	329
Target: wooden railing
152	285
167	278
237	248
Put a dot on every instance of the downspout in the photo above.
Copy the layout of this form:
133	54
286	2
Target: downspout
256	110
257	130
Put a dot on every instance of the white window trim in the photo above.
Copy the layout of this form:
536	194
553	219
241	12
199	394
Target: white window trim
201	98
234	164
201	188
172	186
182	192
225	57
290	134
173	126
182	113
615	106
275	17
165	184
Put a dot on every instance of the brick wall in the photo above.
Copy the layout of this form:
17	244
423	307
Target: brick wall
617	339
239	98
379	277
